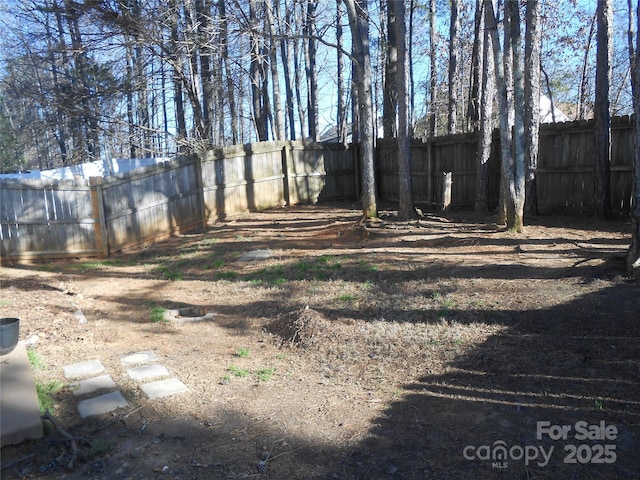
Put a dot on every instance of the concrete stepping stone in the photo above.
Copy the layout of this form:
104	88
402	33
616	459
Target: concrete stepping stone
164	388
147	371
102	404
19	409
83	369
91	385
255	256
138	358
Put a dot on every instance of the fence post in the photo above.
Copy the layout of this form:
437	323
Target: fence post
100	227
355	149
430	152
447	181
200	190
286	160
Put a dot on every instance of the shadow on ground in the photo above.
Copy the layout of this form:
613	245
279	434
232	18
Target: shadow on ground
577	362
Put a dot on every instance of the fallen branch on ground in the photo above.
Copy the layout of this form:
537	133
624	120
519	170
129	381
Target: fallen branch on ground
76	452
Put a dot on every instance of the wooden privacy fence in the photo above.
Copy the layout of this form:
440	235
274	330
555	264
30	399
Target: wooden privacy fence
48	219
565	180
70	218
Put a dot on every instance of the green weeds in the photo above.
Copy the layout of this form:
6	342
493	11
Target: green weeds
35	360
215	264
226	275
346	298
169	273
271	275
264	374
368	267
92	266
158	315
242	352
208	242
238	372
46	392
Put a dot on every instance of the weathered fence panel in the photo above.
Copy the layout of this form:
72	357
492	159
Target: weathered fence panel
143	205
262	175
52	218
429	162
270	174
566	166
341	177
305	172
565	180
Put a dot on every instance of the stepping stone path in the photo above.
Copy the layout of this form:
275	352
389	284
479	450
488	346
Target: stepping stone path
143	369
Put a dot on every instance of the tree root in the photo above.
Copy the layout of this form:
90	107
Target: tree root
76	452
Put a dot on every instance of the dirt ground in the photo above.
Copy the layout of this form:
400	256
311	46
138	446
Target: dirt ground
386	350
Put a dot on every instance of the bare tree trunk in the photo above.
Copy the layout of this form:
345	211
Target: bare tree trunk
257	75
359	24
88	132
454	27
602	116
633	255
165	114
631	36
341	110
203	16
192	80
412	90
142	89
130	118
264	87
311	68
355	107
224	35
475	78
297	78
285	53
390	81
515	221
583	77
532	102
487	94
219	115
504	103
405	209
61	136
275	82
178	93
507	166
433	73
